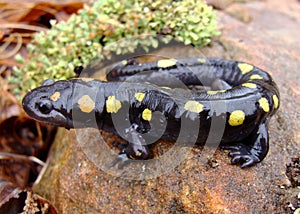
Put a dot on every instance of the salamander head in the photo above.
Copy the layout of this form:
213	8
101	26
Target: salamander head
48	103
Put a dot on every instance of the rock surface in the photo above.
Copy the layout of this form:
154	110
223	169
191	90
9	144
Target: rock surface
73	180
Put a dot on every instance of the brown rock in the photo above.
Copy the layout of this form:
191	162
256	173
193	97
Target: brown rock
221	5
240	12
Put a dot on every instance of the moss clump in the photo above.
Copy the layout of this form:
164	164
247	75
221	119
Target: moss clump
55	53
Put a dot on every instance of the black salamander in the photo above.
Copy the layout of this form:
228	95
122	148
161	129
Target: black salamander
241	96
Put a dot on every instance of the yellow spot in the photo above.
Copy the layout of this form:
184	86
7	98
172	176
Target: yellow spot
112	104
255	76
236	118
165	63
147	114
54	97
245	67
193	106
139	96
264	104
214	92
249	85
202	60
86	104
165	87
86	79
275	100
124	62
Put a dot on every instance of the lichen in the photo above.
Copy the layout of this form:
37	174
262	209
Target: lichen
56	52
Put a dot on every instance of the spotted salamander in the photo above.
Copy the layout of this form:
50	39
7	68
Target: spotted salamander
146	102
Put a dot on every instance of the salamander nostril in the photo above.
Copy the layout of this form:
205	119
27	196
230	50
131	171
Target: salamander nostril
45	106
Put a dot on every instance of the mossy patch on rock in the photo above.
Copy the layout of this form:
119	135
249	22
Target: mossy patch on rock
57	52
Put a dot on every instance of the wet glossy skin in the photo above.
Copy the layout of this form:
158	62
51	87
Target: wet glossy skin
241	100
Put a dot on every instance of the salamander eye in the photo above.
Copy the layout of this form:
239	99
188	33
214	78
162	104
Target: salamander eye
45	106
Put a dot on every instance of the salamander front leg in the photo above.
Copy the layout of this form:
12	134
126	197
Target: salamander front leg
254	150
135	148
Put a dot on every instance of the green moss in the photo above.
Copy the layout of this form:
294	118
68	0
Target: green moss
55	53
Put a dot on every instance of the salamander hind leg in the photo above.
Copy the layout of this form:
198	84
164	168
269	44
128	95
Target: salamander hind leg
251	151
